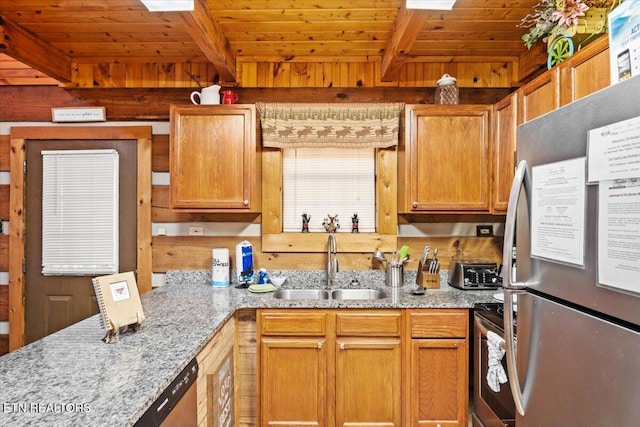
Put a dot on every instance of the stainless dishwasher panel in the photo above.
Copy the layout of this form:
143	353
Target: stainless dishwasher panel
185	412
177	404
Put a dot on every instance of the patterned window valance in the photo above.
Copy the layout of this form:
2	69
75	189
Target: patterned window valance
293	125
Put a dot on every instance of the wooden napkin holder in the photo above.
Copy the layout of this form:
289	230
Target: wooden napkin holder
425	279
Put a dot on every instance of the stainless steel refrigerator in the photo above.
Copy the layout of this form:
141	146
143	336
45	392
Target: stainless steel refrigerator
574	222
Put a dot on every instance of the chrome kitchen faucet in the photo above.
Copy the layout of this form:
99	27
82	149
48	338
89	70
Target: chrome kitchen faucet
332	259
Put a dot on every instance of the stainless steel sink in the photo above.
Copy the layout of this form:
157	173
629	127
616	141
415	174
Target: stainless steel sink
301	294
361	294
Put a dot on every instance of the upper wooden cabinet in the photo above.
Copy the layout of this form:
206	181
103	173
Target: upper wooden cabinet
585	72
213	161
505	116
444	159
540	96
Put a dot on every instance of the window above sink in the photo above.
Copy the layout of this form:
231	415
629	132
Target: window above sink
385	237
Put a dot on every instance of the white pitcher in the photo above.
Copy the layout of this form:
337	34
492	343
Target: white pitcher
208	95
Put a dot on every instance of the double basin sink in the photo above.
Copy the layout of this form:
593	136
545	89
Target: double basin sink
336	294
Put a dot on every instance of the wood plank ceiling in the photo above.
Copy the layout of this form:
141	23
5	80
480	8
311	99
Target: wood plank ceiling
52	35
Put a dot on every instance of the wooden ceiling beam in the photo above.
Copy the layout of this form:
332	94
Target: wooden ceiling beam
20	44
408	25
206	33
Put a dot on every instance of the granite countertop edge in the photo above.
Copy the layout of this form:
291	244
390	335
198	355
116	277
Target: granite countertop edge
73	378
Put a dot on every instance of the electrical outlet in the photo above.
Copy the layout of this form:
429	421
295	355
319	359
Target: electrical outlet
196	231
484	230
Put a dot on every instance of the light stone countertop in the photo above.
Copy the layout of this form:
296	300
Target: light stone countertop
72	378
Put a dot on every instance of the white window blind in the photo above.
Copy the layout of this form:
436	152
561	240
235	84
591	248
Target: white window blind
321	182
79	212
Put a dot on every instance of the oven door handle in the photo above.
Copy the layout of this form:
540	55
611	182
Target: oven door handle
511	288
484	329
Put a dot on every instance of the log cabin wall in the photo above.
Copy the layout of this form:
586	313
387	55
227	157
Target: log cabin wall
141	94
293	75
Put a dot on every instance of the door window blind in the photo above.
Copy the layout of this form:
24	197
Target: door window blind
321	182
79	212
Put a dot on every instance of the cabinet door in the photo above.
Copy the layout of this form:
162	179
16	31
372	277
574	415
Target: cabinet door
293	381
446	164
540	96
368	382
216	379
439	383
504	149
585	72
213	158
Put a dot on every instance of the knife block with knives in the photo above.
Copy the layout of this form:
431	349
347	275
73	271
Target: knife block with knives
428	270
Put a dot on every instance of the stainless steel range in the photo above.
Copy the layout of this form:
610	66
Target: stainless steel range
491	408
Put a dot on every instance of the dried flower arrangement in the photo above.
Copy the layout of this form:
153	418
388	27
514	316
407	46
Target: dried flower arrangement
549	15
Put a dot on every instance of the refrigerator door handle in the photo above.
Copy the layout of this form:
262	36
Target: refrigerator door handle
520	180
511	288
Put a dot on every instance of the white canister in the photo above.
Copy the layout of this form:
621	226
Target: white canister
220	267
447	91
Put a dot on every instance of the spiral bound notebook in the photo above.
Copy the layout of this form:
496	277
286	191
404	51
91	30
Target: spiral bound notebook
119	303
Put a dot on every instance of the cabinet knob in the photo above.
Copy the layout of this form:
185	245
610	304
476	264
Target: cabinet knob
320	345
245	202
342	346
415	204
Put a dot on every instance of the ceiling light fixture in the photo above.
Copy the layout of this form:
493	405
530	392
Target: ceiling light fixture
168	5
431	4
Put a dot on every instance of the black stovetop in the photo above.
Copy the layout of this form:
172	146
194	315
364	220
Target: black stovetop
493	312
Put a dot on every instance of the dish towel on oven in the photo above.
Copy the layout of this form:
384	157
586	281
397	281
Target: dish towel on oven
495	371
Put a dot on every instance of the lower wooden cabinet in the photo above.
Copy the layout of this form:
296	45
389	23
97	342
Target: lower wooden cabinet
368	382
330	367
365	368
293	367
438	385
294	374
438	368
215	385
